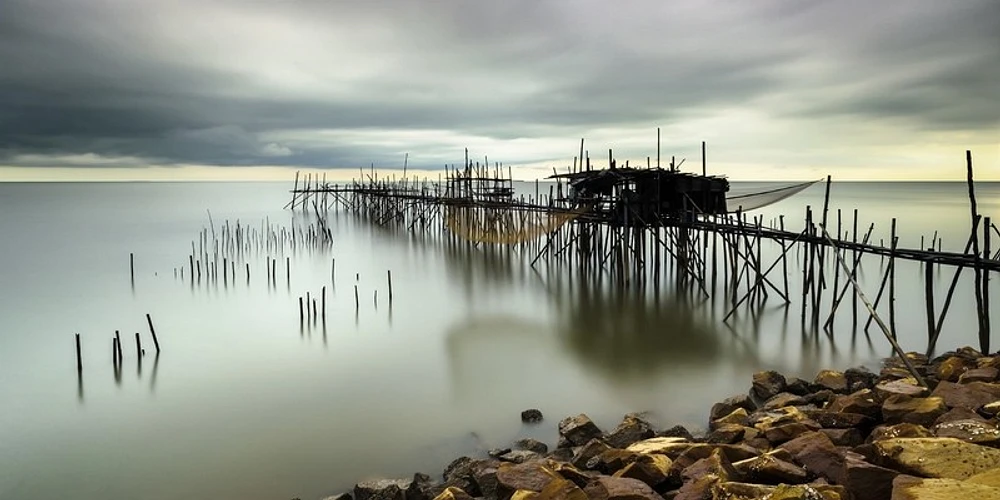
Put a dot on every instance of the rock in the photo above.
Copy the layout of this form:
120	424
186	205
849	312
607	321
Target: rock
988	478
987	374
524	495
737	417
486	481
839	420
497	452
861	402
461	473
971	431
453	493
726	434
989	410
619	488
731	453
767	384
422	487
884	432
563	443
744	491
519	456
817	453
698	489
461	466
530	476
920	411
947	458
590	450
650	469
866	481
958	414
905	386
531	445
716	464
670	446
844	437
561	454
860	376
798	386
632	429
728	405
531	416
784	399
382	489
820	398
832	380
769	469
780	433
612	460
915	488
579	429
562	489
969	396
951	369
677	431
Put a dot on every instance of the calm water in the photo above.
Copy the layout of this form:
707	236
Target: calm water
242	404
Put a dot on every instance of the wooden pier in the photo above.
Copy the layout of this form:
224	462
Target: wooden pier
653	227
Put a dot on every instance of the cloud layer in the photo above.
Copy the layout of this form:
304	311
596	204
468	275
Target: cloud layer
341	83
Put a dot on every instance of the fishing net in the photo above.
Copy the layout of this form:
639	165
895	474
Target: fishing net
755	197
504	226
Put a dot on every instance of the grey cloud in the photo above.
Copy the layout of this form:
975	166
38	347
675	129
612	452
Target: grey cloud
118	78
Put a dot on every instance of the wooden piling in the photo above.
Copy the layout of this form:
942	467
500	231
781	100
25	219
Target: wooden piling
131	266
79	355
118	343
929	298
389	278
892	280
152	332
984	340
138	347
302	317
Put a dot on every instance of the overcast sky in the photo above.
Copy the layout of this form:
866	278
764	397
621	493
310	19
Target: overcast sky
780	89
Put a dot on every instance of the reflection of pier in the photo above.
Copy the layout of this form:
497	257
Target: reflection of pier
653	228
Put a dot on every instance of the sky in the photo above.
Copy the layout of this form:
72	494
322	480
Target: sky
253	89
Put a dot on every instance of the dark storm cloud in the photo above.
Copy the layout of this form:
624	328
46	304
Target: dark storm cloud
231	82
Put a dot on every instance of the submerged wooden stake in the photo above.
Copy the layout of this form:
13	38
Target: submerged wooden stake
138	346
79	356
389	274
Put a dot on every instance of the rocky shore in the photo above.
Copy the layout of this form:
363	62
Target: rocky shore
853	435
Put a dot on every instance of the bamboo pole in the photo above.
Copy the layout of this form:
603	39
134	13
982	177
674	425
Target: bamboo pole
152	332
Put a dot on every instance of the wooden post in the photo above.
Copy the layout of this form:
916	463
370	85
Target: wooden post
118	343
288	271
984	340
704	168
986	283
929	297
302	318
357	303
79	356
324	303
389	276
138	347
131	266
892	280
152	331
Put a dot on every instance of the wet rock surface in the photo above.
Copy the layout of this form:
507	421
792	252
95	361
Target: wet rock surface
850	435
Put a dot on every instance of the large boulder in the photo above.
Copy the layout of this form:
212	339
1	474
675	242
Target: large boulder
770	469
959	414
947	458
883	432
453	493
839	420
583	454
619	488
986	374
915	488
818	454
768	384
844	437
783	399
952	368
422	487
971	431
651	469
862	402
670	446
921	411
632	429
969	396
866	481
677	431
612	460
730	404
531	445
859	378
904	387
561	489
831	379
736	417
579	429
530	476
742	491
531	416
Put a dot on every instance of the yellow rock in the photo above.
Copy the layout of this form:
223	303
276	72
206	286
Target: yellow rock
738	416
914	488
561	489
947	458
661	446
524	495
988	478
453	493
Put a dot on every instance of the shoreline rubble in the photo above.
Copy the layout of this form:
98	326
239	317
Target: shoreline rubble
850	435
